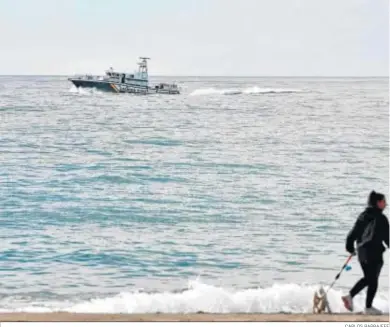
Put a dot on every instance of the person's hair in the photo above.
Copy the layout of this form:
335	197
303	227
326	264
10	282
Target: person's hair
374	197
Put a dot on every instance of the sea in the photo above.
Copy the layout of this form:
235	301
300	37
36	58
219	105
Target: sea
234	196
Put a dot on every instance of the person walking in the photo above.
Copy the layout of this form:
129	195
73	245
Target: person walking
369	232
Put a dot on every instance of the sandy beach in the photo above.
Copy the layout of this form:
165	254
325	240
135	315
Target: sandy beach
64	316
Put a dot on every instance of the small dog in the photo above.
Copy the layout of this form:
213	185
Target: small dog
320	302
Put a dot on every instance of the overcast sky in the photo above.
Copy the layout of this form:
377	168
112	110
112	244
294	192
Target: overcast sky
196	37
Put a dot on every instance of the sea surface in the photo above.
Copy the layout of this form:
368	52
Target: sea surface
234	196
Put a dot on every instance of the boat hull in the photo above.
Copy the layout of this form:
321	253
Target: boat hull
119	87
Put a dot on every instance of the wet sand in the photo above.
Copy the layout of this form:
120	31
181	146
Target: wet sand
65	316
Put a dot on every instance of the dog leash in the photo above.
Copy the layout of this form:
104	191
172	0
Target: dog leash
338	275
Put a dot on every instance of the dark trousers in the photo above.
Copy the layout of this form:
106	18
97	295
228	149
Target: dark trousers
371	269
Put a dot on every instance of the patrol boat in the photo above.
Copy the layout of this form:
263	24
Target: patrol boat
121	82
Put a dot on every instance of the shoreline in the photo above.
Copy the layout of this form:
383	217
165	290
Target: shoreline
152	317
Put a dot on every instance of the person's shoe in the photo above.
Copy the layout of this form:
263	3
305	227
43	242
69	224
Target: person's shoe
372	311
348	303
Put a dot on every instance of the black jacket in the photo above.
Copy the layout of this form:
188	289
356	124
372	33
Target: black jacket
371	229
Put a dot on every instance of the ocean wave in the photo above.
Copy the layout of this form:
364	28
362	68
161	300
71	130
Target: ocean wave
200	297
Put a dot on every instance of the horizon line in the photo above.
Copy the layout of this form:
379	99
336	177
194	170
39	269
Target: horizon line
245	76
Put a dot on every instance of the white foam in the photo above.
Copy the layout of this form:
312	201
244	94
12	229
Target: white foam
84	91
249	90
290	298
258	90
210	91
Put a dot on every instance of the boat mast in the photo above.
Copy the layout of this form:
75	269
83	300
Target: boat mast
143	67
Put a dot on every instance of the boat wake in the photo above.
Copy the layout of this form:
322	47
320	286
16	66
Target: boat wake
288	298
249	90
84	91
